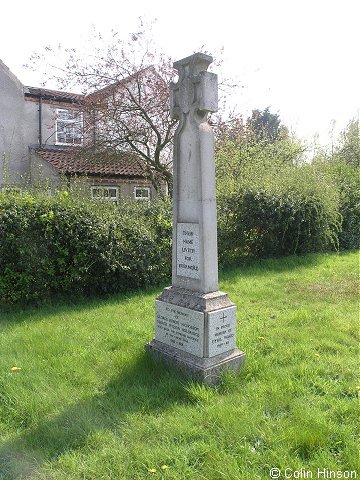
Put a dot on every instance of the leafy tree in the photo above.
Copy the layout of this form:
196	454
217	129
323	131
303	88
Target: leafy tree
125	84
126	106
348	149
341	165
238	146
132	115
229	130
266	125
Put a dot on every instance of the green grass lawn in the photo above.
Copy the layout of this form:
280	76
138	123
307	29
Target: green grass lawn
89	404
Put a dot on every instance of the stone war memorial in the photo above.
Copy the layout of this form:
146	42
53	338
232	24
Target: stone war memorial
195	323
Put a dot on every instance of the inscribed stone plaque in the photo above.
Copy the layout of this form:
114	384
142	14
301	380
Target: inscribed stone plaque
187	250
222	330
180	327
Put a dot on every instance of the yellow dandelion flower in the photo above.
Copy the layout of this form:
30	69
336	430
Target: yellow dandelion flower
357	388
261	338
164	467
15	369
152	470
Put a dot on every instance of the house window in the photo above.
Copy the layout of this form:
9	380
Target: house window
69	127
10	189
142	193
105	193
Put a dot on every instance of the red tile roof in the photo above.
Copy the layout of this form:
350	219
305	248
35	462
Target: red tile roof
71	161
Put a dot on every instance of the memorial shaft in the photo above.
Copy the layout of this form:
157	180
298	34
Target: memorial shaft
193	97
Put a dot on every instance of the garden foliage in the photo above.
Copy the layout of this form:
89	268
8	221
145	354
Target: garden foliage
272	205
345	178
64	245
269	204
348	183
343	165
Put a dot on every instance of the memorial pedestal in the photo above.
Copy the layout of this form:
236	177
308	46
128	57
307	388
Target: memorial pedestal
196	333
207	370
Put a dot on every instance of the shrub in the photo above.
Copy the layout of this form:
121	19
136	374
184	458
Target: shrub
259	223
268	205
342	166
274	207
345	177
63	245
349	187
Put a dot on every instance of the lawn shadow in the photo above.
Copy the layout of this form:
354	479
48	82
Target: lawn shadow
142	386
17	314
62	304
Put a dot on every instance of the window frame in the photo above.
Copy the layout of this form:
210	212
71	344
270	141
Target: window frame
142	199
103	188
8	188
72	122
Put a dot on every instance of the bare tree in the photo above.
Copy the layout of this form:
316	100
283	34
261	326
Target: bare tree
132	115
126	98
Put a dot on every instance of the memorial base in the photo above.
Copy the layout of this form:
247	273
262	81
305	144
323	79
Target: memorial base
196	333
207	370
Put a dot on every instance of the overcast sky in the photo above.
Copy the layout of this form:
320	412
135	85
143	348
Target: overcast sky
300	57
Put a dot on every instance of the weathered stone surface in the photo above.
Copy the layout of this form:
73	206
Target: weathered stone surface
207	370
199	332
221	332
180	327
188	250
195	324
195	300
194	192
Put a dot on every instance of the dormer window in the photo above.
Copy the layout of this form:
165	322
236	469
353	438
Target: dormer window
69	127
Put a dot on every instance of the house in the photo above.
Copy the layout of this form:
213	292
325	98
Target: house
41	131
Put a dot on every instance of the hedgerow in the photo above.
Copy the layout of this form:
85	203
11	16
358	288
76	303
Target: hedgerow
271	206
64	245
345	178
348	179
258	223
268	205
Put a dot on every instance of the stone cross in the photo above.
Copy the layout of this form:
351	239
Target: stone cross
195	264
195	324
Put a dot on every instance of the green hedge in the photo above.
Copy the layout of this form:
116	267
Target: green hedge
276	209
258	223
346	178
58	245
62	245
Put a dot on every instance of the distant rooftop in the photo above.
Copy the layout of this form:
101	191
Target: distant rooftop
57	95
71	161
